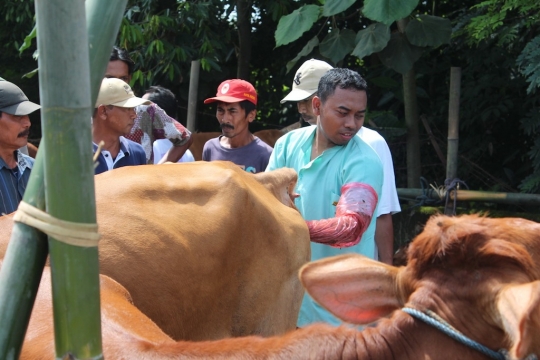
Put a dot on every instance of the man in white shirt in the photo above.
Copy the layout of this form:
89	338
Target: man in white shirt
304	88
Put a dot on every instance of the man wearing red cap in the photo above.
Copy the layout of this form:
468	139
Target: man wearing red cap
236	107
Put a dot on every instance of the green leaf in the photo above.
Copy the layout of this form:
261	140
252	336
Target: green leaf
388	11
384	82
292	26
372	39
427	30
337	44
308	48
333	7
399	54
28	40
30	74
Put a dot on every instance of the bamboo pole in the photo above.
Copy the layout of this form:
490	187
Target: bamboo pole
453	123
453	130
103	20
472	195
21	270
64	77
74	269
192	99
27	251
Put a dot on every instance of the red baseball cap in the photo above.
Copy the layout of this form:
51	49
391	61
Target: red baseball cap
234	90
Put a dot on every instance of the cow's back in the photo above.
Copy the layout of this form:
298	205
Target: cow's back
204	249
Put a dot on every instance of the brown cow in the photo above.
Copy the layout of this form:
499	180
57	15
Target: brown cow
478	274
206	250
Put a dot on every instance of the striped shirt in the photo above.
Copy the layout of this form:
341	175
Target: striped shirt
13	182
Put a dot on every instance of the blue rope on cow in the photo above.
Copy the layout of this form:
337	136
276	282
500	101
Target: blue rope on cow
432	319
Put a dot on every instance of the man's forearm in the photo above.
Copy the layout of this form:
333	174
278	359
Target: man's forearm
175	153
384	238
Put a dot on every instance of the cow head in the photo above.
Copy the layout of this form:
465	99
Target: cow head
280	182
477	273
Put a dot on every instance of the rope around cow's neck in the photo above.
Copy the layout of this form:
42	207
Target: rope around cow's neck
432	319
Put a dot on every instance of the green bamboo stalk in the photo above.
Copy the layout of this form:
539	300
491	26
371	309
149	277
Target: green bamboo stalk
64	74
74	270
21	271
103	18
27	251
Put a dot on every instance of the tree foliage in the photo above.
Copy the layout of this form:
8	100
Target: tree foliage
499	116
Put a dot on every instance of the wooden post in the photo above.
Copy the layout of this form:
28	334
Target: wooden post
453	130
192	98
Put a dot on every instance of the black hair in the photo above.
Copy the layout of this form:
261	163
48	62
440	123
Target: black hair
164	98
122	55
248	106
342	78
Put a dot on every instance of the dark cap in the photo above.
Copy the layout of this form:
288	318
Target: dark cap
13	101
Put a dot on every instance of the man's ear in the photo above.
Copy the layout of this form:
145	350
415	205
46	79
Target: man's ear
252	114
101	112
316	103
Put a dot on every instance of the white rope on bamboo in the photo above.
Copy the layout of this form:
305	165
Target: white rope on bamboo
72	233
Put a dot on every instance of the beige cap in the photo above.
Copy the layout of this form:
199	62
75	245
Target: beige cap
306	80
117	92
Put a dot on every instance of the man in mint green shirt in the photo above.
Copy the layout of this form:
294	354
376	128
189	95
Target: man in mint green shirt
339	176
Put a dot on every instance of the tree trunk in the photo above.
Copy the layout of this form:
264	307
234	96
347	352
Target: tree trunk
413	138
244	9
412	121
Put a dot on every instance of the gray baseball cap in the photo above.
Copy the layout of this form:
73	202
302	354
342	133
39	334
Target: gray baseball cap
13	101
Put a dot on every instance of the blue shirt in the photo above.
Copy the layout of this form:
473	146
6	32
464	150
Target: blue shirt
252	157
133	154
319	186
13	182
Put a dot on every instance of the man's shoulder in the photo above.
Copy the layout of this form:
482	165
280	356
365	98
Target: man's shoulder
213	142
370	136
358	148
262	145
296	135
131	145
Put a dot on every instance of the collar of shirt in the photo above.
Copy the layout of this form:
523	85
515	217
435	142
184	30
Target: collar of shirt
124	145
23	162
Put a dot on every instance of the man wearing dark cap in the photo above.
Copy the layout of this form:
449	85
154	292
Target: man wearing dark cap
15	167
236	107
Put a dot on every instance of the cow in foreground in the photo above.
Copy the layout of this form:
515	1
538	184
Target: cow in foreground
206	250
478	274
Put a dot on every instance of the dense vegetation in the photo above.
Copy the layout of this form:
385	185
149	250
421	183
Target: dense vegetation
496	43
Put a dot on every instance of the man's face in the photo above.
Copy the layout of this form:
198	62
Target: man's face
233	119
341	116
118	69
14	130
305	108
120	120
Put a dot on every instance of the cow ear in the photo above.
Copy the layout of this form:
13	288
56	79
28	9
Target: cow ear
519	309
356	289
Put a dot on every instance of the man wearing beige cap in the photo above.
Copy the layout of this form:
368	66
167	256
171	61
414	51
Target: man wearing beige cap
304	89
15	167
113	118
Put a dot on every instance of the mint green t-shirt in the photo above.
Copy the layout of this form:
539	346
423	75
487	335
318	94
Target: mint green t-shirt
319	186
